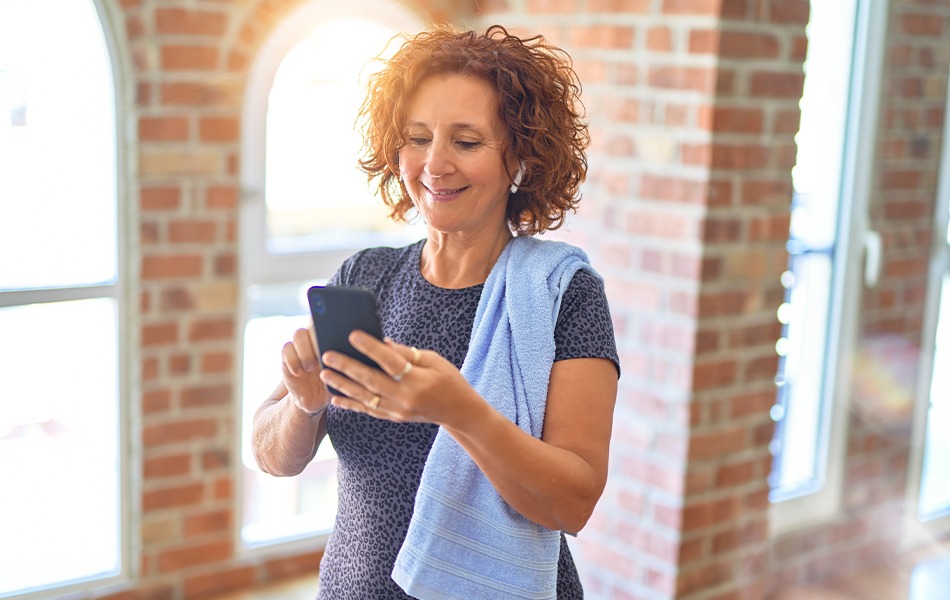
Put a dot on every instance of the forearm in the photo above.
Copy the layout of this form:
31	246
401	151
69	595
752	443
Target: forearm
552	486
285	437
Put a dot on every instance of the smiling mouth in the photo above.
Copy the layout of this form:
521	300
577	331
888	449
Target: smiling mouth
446	193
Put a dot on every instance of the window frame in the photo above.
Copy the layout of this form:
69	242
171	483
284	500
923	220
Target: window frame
257	265
110	23
852	249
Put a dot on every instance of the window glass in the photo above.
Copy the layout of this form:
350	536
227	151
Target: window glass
318	207
802	408
59	308
934	498
280	507
57	146
316	196
58	443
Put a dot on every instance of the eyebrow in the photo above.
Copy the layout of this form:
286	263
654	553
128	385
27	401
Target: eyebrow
455	126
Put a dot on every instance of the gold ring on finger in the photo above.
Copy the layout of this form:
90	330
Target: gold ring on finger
373	402
416	355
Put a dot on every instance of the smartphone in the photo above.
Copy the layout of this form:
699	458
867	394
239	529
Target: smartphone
337	311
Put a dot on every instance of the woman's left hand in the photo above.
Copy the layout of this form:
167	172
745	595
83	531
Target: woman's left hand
413	385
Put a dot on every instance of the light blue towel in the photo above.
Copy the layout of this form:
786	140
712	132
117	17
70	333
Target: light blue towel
464	541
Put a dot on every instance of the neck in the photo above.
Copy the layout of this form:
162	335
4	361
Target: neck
456	261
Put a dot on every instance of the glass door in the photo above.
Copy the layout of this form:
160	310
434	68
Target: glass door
929	491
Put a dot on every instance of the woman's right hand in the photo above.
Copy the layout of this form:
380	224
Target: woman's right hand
301	369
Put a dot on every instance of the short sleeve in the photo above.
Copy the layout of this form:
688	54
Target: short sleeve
584	328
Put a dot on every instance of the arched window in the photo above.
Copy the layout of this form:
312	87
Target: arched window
306	208
60	300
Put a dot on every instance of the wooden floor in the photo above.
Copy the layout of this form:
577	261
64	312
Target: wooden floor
884	582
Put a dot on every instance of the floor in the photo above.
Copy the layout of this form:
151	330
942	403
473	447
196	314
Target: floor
931	581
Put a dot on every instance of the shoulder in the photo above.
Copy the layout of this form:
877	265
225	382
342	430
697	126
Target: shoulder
584	326
371	264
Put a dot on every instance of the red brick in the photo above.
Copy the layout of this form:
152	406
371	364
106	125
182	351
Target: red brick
211	329
173	497
552	6
179	431
191	232
703	41
715	374
619	6
659	39
157	401
917	25
189	58
219	129
736	119
710	512
777	85
739	156
215	521
602	36
740	44
789	11
215	459
225	264
216	362
174	266
208	395
175	21
159	198
179	364
172	465
176	299
163	129
736	474
160	334
699	79
197	94
692	7
193	555
220	582
223	197
900	180
223	489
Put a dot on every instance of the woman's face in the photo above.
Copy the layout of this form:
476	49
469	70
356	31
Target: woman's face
452	164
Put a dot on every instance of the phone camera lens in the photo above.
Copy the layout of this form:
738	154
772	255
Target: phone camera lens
318	304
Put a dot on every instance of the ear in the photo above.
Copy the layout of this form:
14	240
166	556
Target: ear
517	180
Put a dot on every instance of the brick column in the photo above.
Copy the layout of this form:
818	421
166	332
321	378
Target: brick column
693	105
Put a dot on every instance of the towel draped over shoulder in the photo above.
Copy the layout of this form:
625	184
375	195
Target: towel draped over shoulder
464	540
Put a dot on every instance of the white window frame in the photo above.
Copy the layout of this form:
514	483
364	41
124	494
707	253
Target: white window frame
111	20
257	264
916	532
852	249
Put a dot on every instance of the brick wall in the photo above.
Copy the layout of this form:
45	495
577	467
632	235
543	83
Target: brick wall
692	104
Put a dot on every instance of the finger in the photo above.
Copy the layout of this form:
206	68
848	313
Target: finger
366	376
397	360
290	359
303	344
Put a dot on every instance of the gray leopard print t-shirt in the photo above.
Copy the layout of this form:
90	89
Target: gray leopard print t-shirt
380	463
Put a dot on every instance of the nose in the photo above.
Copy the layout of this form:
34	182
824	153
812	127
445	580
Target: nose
439	161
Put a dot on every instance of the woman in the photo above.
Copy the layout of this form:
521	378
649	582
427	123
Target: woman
486	433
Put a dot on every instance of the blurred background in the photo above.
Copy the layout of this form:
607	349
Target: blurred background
768	201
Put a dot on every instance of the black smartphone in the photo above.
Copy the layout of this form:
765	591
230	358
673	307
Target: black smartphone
336	312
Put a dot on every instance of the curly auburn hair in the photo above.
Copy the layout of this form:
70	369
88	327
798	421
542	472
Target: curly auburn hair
539	108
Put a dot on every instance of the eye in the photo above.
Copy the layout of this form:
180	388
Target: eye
466	145
417	140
